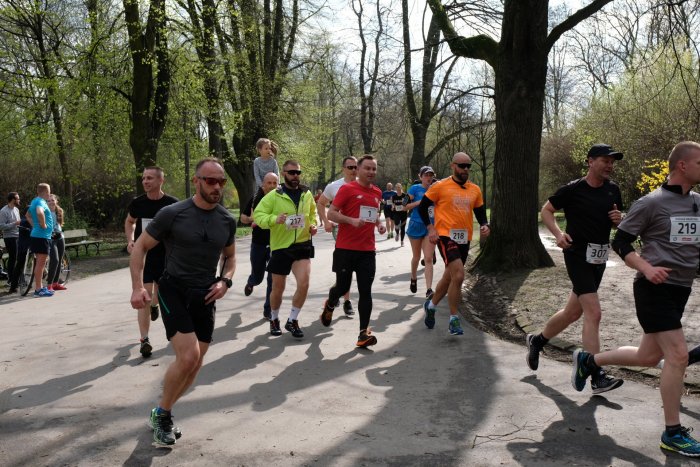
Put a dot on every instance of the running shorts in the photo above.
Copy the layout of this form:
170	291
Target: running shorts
183	309
281	260
39	246
451	250
659	306
585	277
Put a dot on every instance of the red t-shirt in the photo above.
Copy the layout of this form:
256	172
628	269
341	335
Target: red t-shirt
354	200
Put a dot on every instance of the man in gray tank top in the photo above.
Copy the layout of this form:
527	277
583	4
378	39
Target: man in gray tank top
668	223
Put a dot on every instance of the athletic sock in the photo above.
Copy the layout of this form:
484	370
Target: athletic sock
453	317
431	305
539	341
694	355
294	314
160	411
274	314
591	365
672	430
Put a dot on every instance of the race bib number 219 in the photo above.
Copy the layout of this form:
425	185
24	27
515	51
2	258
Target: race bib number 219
685	230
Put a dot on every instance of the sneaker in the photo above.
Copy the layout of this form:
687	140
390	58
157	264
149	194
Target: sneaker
146	347
292	326
155	311
414	285
162	426
347	308
326	314
43	292
429	294
275	329
365	339
580	371
682	443
248	289
454	327
429	315
177	431
533	353
604	383
50	288
58	286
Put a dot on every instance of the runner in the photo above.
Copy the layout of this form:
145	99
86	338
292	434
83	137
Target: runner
399	212
456	201
196	232
356	209
668	224
592	207
289	212
387	196
418	233
141	212
349	175
259	244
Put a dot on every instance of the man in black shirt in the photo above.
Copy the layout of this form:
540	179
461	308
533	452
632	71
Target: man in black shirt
592	207
142	210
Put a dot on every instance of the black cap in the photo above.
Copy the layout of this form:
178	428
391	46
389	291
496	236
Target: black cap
598	150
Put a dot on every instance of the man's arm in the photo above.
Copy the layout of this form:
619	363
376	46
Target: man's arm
263	215
321	204
219	289
129	232
41	217
334	215
139	295
547	213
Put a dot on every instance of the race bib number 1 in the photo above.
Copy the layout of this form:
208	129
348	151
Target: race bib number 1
685	230
597	254
459	236
295	222
368	213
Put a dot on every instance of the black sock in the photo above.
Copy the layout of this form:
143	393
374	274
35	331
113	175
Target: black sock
539	341
694	355
590	364
673	430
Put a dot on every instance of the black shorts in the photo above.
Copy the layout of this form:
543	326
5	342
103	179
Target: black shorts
153	268
39	246
451	250
659	306
360	262
585	277
183	309
281	260
387	212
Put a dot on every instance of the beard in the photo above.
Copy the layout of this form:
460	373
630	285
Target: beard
211	198
292	183
462	177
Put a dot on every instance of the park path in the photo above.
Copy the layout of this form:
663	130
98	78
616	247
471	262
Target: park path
75	391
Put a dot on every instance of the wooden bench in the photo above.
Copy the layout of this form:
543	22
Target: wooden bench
78	238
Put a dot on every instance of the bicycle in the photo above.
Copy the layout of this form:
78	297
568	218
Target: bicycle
26	278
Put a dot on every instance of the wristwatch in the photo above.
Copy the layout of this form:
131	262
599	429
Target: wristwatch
226	281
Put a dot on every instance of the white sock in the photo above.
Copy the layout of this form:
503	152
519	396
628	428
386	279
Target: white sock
294	314
274	314
453	317
431	305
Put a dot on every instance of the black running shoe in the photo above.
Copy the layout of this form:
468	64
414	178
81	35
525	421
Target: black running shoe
429	294
533	353
365	339
292	326
155	311
248	289
162	425
177	431
604	383
275	329
146	347
326	314
414	285
347	308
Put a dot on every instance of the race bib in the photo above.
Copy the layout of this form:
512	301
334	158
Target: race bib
399	207
389	202
295	222
597	254
431	212
685	230
368	213
459	236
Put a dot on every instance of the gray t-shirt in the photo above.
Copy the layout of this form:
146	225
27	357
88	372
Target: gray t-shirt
262	167
8	217
193	239
668	224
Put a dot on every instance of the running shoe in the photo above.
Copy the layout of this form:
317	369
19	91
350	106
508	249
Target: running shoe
292	326
248	289
365	339
43	292
146	347
429	315
533	353
682	443
326	314
347	308
275	329
454	327
155	311
414	285
429	294
580	371
604	383
58	286
177	431
162	426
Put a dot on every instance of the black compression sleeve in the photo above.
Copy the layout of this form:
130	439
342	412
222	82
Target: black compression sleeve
622	244
480	214
425	203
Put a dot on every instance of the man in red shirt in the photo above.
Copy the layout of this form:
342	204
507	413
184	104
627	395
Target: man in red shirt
356	211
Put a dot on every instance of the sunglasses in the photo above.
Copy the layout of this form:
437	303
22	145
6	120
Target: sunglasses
293	172
351	167
213	180
464	165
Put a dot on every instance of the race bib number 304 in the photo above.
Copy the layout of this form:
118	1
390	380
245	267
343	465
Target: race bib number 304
685	230
597	254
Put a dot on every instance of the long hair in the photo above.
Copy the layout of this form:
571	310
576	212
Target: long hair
59	211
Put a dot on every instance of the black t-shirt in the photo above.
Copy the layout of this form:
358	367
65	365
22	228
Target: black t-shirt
260	236
144	209
401	200
586	210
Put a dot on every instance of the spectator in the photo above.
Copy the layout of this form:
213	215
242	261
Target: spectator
266	162
9	220
58	246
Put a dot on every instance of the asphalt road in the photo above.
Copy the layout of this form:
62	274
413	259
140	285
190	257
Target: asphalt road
75	391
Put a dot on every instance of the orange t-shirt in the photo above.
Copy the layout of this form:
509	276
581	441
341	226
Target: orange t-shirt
454	205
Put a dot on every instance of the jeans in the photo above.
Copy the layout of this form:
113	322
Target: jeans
259	256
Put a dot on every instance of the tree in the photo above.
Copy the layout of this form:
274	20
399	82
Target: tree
519	62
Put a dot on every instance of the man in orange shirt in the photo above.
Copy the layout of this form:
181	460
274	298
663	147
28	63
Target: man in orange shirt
455	199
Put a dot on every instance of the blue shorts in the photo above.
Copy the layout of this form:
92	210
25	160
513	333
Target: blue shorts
416	229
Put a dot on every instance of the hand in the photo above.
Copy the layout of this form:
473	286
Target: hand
564	241
615	215
484	230
433	237
313	230
381	228
140	298
130	247
328	226
656	274
281	219
216	291
253	225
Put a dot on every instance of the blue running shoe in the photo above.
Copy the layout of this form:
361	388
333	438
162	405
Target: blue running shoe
580	371
681	442
43	292
429	315
455	327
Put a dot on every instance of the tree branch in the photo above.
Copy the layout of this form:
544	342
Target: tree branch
571	22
